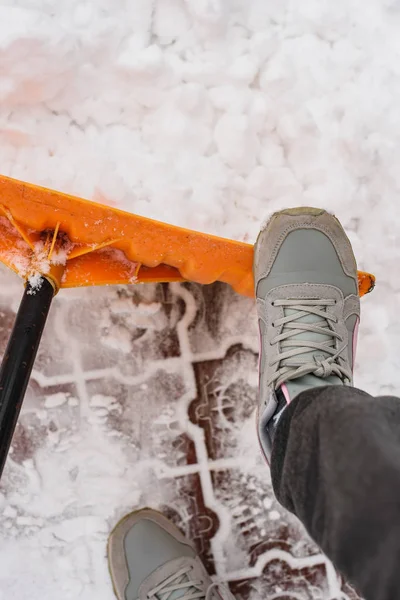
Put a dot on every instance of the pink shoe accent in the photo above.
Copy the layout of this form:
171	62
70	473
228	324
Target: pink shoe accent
355	340
285	392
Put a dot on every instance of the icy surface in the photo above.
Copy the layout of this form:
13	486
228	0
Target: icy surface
208	114
145	396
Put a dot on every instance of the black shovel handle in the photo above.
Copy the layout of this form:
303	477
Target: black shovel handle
19	358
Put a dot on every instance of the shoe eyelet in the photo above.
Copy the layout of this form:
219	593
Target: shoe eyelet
273	303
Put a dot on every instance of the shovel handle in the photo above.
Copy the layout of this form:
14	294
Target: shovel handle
19	358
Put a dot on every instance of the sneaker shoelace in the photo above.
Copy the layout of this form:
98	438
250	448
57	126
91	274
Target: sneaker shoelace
191	588
288	363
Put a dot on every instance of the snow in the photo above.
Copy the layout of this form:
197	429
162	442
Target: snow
35	282
208	114
55	400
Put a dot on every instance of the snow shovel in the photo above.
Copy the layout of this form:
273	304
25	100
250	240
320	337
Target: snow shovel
53	240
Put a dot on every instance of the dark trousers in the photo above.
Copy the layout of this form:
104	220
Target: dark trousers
336	466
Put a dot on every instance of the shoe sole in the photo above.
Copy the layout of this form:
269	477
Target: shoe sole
117	564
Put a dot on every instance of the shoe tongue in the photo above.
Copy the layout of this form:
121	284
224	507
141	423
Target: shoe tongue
295	386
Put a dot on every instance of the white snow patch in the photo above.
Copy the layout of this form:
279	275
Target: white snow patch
55	400
35	282
100	401
273	515
59	256
10	512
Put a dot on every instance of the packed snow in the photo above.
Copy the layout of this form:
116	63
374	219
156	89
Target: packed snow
208	114
211	114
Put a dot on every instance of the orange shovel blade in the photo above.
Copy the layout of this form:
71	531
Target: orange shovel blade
107	246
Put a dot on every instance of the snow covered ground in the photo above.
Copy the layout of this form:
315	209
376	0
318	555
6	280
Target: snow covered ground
208	114
145	396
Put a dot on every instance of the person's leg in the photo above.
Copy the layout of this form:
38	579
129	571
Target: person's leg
336	450
336	465
150	559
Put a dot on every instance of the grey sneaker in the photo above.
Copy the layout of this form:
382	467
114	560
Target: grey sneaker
150	559
308	310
